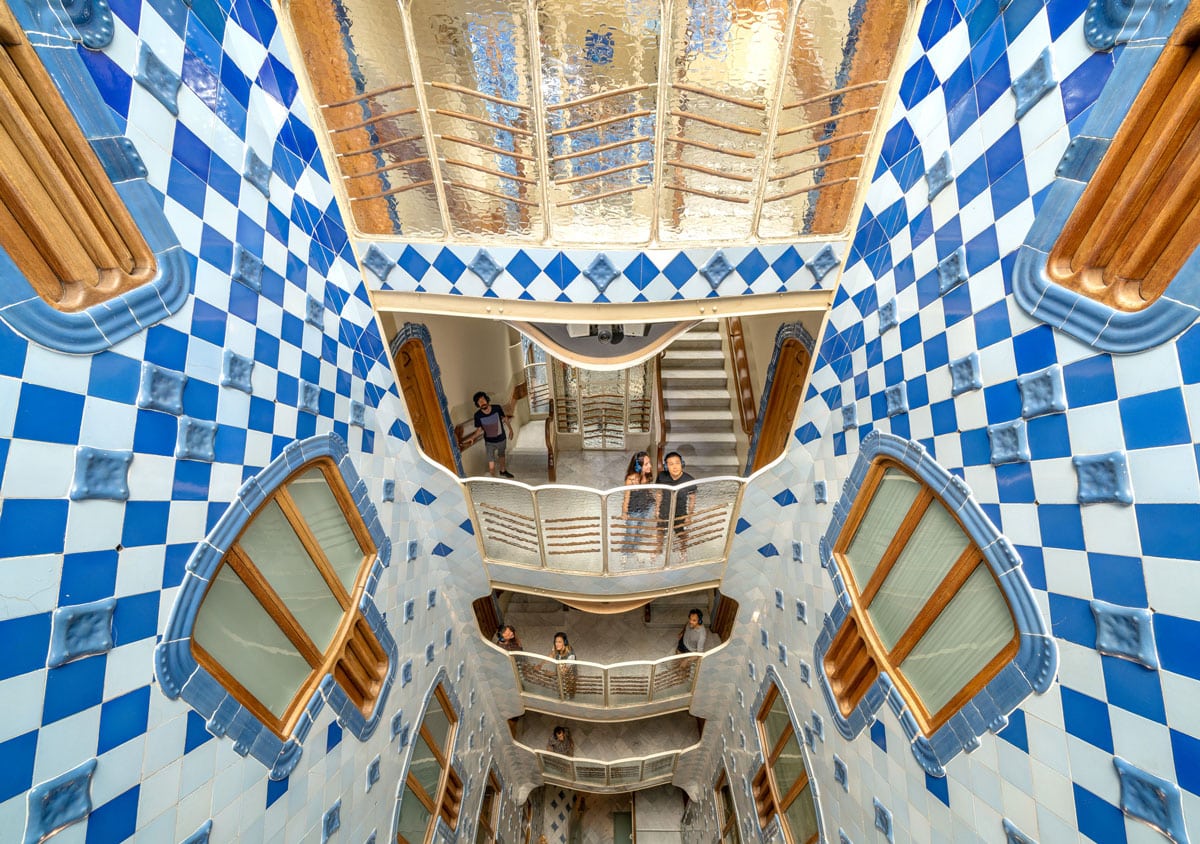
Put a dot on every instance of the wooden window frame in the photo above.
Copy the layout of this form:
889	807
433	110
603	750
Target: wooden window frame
727	826
852	669
1136	224
354	656
61	220
489	810
447	803
767	799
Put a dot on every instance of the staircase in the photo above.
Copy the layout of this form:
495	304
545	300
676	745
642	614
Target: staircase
697	409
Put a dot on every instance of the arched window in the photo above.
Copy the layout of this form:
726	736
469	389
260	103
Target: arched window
726	811
272	609
781	788
937	605
432	790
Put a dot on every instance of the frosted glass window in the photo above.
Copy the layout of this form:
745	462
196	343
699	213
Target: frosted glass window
789	767
277	552
776	722
234	629
781	785
428	770
934	547
802	816
321	511
414	818
971	630
893	498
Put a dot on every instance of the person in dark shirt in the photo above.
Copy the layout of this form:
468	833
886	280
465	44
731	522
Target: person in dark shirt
492	421
673	475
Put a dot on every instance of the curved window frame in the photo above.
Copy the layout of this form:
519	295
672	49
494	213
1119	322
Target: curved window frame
440	693
93	329
776	828
728	827
1100	326
182	675
1031	669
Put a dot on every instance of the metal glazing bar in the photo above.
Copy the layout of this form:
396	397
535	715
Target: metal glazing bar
698	192
391	89
604	195
404	112
827	163
673	162
712	121
773	119
537	521
831	94
447	86
588	176
836	139
596	124
479	167
717	95
487	147
400	189
491	124
833	118
376	147
632	89
809	188
640	139
493	193
379	170
710	147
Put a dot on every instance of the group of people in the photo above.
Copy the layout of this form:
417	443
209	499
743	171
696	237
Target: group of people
645	510
561	652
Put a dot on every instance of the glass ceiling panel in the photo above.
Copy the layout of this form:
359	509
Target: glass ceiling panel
357	63
600	85
623	122
725	67
475	62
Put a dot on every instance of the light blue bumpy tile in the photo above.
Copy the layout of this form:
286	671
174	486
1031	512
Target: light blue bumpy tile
849	416
310	397
485	267
258	173
822	262
1151	799
896	397
1042	392
964	375
162	82
101	474
1009	442
716	269
887	316
1035	83
314	312
247	269
197	440
1103	478
81	630
378	263
236	371
952	270
59	803
601	272
1127	632
939	175
161	389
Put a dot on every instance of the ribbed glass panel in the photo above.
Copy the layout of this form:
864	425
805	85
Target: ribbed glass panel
893	498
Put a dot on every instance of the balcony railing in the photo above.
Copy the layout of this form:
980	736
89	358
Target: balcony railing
623	530
598	775
622	684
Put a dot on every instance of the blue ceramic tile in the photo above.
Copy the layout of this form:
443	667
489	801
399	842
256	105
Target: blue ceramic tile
1151	799
1103	478
59	802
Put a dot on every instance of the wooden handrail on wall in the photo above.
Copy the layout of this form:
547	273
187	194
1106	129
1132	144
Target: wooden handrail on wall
551	445
744	388
467	436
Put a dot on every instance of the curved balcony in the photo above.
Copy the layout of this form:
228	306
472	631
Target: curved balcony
604	542
647	753
598	692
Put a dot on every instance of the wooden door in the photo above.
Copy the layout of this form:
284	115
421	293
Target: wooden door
416	382
787	388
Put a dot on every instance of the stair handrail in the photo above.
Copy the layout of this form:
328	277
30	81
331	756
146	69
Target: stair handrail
551	444
658	419
747	413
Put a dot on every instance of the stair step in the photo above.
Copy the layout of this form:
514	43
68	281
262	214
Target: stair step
678	357
724	438
724	415
688	393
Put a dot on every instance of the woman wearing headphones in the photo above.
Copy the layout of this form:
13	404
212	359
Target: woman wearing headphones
639	506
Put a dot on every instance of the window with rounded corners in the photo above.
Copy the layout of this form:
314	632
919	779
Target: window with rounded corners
489	810
781	788
86	256
275	616
431	792
726	811
933	606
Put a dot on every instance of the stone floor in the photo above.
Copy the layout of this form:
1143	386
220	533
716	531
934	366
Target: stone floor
610	742
595	469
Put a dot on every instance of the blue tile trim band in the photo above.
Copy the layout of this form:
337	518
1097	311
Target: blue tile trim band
106	323
93	19
179	674
1033	668
418	331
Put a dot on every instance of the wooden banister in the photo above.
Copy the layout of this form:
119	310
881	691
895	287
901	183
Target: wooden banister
551	445
744	386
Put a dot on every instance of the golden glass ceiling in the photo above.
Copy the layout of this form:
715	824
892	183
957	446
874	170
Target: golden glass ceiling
599	121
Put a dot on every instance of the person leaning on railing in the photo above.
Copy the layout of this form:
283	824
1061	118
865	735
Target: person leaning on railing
561	742
694	635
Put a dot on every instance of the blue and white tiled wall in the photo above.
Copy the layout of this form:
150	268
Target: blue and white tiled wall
1090	469
116	464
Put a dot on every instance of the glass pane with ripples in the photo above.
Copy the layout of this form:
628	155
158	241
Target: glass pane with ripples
504	514
570	521
628	685
636	533
701	535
